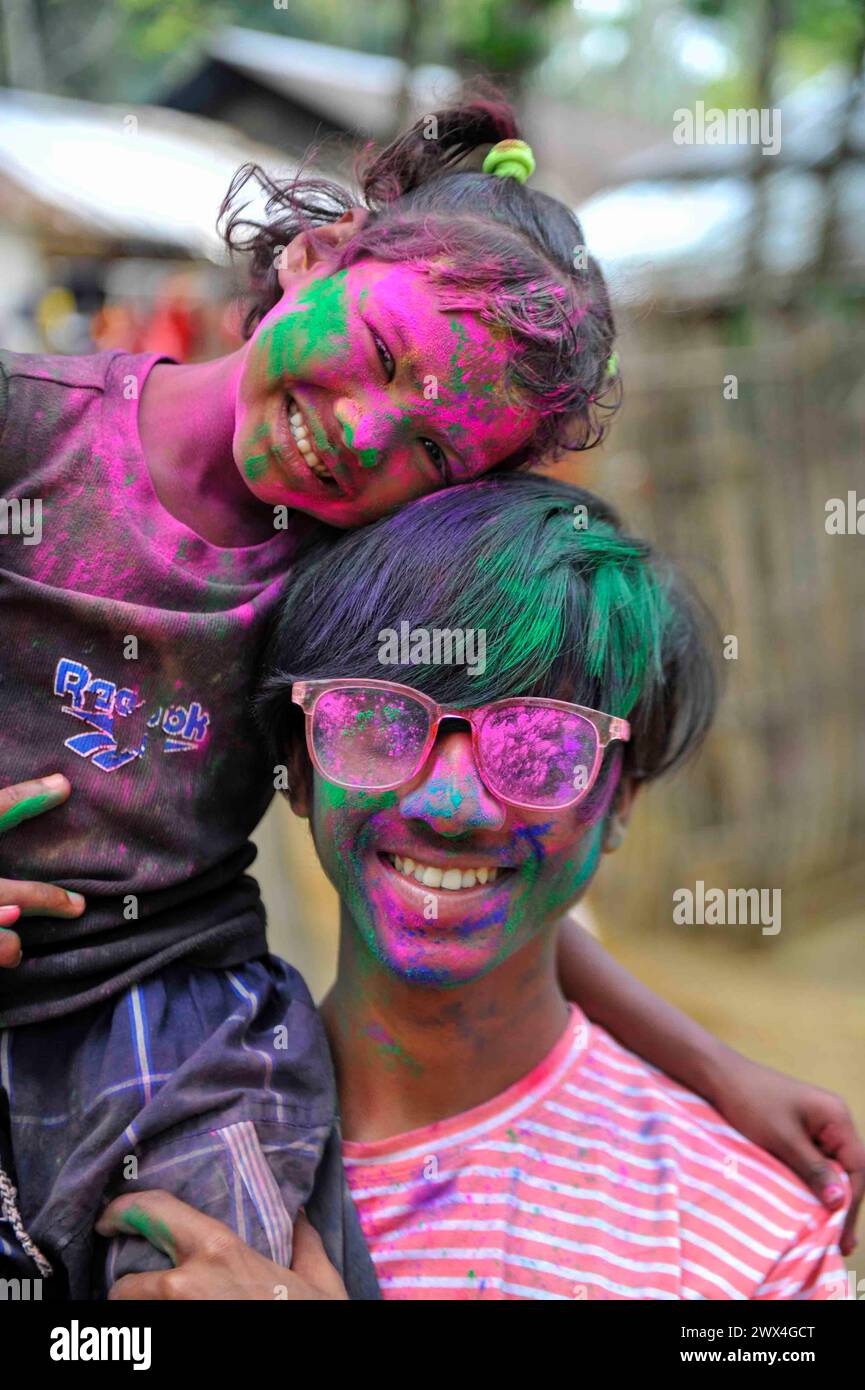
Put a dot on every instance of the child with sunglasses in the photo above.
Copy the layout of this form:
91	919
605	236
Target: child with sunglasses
498	1142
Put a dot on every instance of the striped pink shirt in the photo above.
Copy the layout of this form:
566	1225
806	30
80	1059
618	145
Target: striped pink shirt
596	1176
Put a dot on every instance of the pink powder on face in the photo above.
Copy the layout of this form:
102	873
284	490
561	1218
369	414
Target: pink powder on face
448	386
446	813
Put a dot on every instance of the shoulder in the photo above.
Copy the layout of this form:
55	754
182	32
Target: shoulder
746	1219
697	1132
55	369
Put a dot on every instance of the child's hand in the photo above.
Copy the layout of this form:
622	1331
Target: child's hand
210	1261
802	1125
19	803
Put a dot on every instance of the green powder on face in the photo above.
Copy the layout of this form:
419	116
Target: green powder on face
135	1221
460	333
317	324
23	810
255	467
368	457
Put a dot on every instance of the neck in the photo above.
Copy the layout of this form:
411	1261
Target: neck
186	424
408	1055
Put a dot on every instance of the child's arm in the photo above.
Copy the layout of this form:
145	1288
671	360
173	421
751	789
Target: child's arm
802	1125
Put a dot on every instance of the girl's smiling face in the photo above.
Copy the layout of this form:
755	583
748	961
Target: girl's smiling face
359	393
518	869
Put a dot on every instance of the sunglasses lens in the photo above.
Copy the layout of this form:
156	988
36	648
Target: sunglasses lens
538	755
364	737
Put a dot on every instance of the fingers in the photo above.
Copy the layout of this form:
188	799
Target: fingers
176	1229
839	1138
848	1235
18	803
10	941
310	1262
835	1137
39	899
26	799
811	1164
148	1288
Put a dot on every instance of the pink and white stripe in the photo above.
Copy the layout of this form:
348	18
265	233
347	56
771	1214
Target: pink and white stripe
595	1177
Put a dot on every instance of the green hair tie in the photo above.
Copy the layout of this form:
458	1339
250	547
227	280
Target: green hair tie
510	159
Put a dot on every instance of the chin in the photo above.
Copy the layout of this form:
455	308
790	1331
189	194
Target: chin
423	956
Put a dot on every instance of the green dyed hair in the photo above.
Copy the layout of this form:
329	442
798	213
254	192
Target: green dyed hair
571	607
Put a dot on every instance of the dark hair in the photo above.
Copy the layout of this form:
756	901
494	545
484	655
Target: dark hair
572	608
494	246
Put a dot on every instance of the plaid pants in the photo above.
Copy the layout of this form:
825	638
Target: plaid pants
214	1085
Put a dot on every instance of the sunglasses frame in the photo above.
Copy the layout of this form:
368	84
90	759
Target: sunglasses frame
608	729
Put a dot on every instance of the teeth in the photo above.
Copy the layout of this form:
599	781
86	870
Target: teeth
300	434
431	876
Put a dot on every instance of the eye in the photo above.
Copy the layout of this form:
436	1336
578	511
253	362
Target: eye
385	355
438	456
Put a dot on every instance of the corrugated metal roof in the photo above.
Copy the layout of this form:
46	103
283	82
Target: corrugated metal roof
357	90
137	173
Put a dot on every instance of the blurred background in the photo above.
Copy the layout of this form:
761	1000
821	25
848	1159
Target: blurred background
739	283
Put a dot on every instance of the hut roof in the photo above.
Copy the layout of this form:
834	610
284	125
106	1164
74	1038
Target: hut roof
354	90
681	222
122	174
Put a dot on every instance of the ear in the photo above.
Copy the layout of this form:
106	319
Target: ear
619	814
312	249
299	780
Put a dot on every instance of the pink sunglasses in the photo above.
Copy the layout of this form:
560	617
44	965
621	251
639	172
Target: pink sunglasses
373	735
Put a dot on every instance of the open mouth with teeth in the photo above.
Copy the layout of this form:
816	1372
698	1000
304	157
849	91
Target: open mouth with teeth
302	438
450	880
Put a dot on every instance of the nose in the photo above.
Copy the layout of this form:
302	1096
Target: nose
448	793
366	428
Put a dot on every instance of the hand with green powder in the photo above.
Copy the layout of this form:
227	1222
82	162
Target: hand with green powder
19	803
210	1262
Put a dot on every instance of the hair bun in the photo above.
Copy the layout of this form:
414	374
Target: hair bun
510	159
